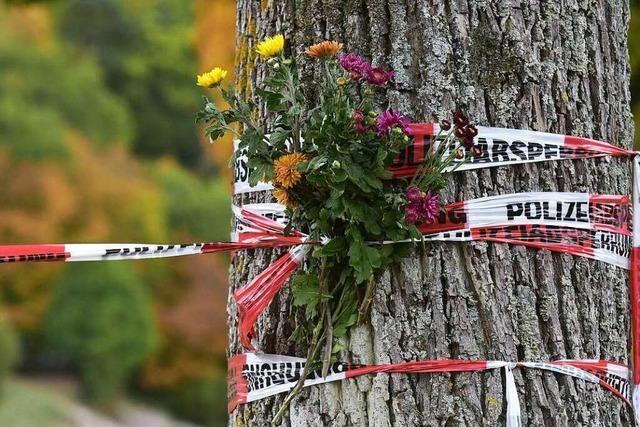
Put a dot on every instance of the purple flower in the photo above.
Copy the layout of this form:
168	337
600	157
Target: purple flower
358	119
361	128
389	120
379	76
355	65
430	207
411	214
414	194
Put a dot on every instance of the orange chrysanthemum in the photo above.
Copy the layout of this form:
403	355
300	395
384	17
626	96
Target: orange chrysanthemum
324	49
285	168
284	198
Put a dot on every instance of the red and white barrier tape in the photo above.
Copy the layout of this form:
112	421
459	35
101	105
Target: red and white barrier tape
257	376
252	231
592	226
574	210
259	221
605	246
500	147
253	298
262	226
610	213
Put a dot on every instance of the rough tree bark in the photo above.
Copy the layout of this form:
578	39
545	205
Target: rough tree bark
548	65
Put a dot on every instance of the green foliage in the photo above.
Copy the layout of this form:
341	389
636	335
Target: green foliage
306	293
46	92
76	78
22	2
42	126
202	209
101	318
9	353
147	55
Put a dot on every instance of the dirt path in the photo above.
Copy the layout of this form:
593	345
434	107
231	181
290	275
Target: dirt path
127	415
50	402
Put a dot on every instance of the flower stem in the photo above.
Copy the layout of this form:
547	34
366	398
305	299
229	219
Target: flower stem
311	354
366	301
314	347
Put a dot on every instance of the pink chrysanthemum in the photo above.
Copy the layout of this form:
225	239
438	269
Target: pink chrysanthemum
411	214
379	76
389	120
430	207
421	206
357	66
414	194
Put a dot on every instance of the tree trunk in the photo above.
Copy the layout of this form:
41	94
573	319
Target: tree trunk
558	66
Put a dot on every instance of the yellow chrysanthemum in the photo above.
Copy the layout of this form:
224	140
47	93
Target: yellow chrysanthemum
212	78
271	46
285	168
282	196
324	49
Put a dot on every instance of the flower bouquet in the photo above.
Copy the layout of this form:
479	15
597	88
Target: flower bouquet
327	149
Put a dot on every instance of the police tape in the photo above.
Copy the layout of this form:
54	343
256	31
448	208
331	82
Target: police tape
502	147
575	210
609	247
252	231
253	298
498	146
563	209
262	226
591	226
252	377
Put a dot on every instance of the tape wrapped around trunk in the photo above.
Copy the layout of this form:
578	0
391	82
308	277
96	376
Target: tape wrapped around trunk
252	377
592	226
499	146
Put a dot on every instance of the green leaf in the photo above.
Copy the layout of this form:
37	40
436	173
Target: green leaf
347	316
338	347
278	137
363	258
317	162
261	171
334	247
306	293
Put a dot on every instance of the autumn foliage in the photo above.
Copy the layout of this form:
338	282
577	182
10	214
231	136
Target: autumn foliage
98	144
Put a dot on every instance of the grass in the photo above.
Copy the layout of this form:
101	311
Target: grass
25	405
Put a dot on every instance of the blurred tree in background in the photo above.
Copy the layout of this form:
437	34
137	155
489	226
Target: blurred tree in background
101	318
144	51
98	144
